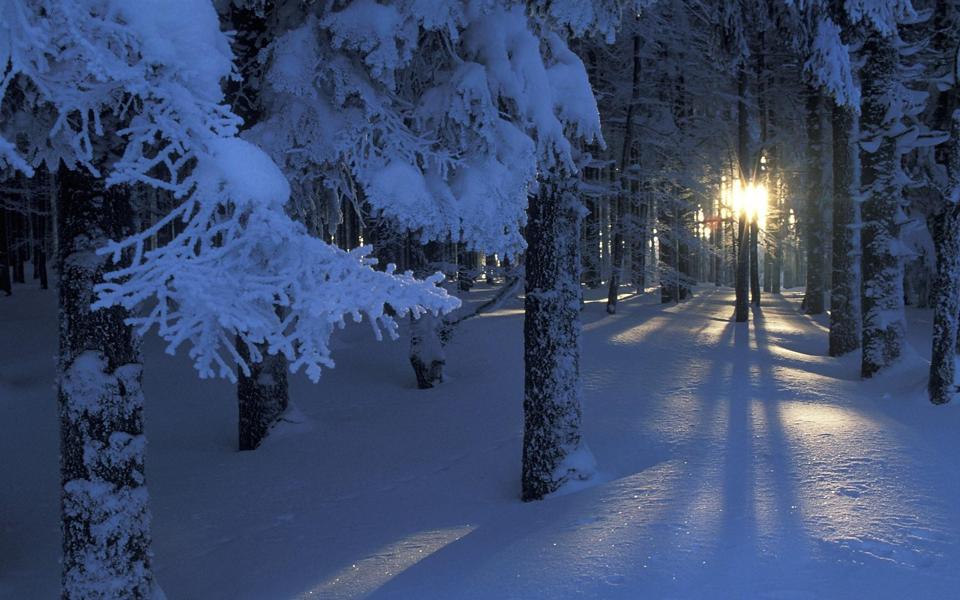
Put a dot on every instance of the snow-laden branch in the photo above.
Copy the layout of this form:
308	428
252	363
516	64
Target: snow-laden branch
144	78
829	65
439	115
240	258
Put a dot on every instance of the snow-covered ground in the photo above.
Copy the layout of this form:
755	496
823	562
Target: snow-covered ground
737	462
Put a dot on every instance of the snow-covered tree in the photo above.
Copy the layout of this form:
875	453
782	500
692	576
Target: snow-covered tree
885	103
121	94
944	220
828	66
813	299
440	116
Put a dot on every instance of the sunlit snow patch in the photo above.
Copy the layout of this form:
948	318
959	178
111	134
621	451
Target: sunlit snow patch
368	574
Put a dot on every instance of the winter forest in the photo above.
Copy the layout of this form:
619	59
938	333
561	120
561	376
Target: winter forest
485	299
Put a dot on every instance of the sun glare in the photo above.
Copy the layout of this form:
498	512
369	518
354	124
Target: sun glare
749	200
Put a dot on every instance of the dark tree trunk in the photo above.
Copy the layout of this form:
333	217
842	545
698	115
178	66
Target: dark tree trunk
20	242
639	250
813	303
742	312
427	356
616	254
682	251
884	322
845	284
779	237
798	274
262	396
742	289
491	265
718	256
6	285
717	234
105	516
551	333
945	226
591	239
768	271
616	272
754	262
40	231
762	90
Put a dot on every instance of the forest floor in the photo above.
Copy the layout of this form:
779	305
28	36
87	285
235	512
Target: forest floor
737	461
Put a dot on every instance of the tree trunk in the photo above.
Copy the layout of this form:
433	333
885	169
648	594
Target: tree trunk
742	312
798	274
682	291
592	242
616	262
262	396
6	285
945	226
639	251
845	284
754	262
20	241
553	452
813	303
716	233
105	515
742	308
490	263
884	322
779	237
427	355
616	273
768	271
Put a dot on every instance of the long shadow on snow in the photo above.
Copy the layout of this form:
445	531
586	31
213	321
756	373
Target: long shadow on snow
466	553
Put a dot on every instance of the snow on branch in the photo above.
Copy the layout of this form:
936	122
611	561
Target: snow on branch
239	269
239	258
829	65
438	114
880	15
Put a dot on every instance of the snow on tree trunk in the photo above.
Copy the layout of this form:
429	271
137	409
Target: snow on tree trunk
105	515
945	228
262	396
591	243
845	283
884	322
553	452
427	356
813	303
945	225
